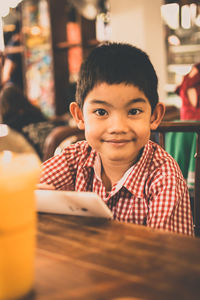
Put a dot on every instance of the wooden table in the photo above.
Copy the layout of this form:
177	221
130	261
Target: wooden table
86	258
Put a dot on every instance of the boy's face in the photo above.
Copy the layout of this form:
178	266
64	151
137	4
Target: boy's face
117	120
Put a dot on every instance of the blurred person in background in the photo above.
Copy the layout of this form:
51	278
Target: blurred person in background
189	91
182	145
20	114
16	110
12	67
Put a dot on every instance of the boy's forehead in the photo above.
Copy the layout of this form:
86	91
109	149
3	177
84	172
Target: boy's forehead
105	89
116	93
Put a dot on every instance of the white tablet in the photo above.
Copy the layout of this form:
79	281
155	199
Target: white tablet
72	203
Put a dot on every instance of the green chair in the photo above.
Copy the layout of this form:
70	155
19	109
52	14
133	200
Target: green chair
181	139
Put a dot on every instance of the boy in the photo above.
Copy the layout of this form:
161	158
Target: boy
117	106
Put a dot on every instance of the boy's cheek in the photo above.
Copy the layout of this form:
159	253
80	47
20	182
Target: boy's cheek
92	126
92	132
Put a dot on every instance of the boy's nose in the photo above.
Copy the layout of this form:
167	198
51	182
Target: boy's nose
118	124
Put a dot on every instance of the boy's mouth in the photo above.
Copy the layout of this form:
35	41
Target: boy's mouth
117	142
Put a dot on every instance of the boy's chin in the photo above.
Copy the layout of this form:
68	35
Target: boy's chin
121	158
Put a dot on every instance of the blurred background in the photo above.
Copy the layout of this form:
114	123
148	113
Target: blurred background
48	40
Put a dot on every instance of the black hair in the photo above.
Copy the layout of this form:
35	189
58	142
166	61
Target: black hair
116	63
16	110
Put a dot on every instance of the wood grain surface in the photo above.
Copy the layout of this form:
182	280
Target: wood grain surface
87	258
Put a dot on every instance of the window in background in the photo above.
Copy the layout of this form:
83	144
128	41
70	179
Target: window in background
182	27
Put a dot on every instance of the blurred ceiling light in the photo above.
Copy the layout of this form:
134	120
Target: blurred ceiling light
87	8
35	30
170	14
173	40
185	17
90	11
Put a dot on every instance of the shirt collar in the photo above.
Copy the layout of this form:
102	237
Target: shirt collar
90	161
135	177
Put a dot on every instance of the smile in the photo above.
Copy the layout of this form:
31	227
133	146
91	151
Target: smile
117	142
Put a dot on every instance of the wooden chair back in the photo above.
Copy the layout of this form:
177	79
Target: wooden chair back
57	135
186	126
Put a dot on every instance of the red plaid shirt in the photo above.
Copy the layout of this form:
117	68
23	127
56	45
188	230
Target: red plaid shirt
152	192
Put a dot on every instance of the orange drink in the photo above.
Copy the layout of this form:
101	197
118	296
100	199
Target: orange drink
18	177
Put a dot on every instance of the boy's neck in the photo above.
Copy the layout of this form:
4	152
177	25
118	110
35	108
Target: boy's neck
112	173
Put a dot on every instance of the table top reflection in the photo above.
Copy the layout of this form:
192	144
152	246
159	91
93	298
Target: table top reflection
87	258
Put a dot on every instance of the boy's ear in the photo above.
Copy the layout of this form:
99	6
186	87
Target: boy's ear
77	114
157	115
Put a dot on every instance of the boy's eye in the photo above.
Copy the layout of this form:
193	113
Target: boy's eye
134	111
100	112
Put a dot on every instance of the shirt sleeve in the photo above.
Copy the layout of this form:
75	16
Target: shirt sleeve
169	206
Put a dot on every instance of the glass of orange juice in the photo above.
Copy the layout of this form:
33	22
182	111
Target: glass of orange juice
18	177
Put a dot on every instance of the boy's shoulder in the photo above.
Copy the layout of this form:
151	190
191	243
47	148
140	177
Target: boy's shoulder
80	146
81	151
161	161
